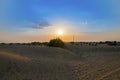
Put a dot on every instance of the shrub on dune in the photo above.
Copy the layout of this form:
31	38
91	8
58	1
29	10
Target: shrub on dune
56	43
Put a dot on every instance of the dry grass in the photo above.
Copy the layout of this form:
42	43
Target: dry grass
46	63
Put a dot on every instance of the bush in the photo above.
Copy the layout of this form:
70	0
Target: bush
2	43
56	43
35	43
44	43
111	43
72	43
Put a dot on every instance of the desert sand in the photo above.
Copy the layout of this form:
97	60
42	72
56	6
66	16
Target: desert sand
23	62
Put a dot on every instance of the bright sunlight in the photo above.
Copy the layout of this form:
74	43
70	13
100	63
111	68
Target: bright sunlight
60	32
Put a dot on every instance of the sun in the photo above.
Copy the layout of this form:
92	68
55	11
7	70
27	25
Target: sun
60	32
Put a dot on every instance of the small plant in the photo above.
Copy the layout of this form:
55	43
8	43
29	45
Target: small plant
56	43
44	43
35	43
72	43
2	43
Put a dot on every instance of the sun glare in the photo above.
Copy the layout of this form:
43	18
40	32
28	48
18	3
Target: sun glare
60	32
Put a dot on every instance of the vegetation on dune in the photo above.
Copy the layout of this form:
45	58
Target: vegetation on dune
2	43
39	43
56	43
59	43
35	43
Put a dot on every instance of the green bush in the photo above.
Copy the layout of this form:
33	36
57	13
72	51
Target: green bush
56	43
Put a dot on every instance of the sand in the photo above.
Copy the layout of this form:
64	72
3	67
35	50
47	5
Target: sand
22	62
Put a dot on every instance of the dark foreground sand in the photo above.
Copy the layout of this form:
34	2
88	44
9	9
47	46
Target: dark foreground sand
19	62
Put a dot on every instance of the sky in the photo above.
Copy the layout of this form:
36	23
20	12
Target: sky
39	20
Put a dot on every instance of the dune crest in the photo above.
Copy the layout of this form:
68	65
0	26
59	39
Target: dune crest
14	56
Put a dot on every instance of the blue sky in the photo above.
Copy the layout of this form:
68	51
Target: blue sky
34	18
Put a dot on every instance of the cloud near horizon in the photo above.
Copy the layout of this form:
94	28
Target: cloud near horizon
41	24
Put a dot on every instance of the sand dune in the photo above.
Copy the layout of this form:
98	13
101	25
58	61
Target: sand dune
47	63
